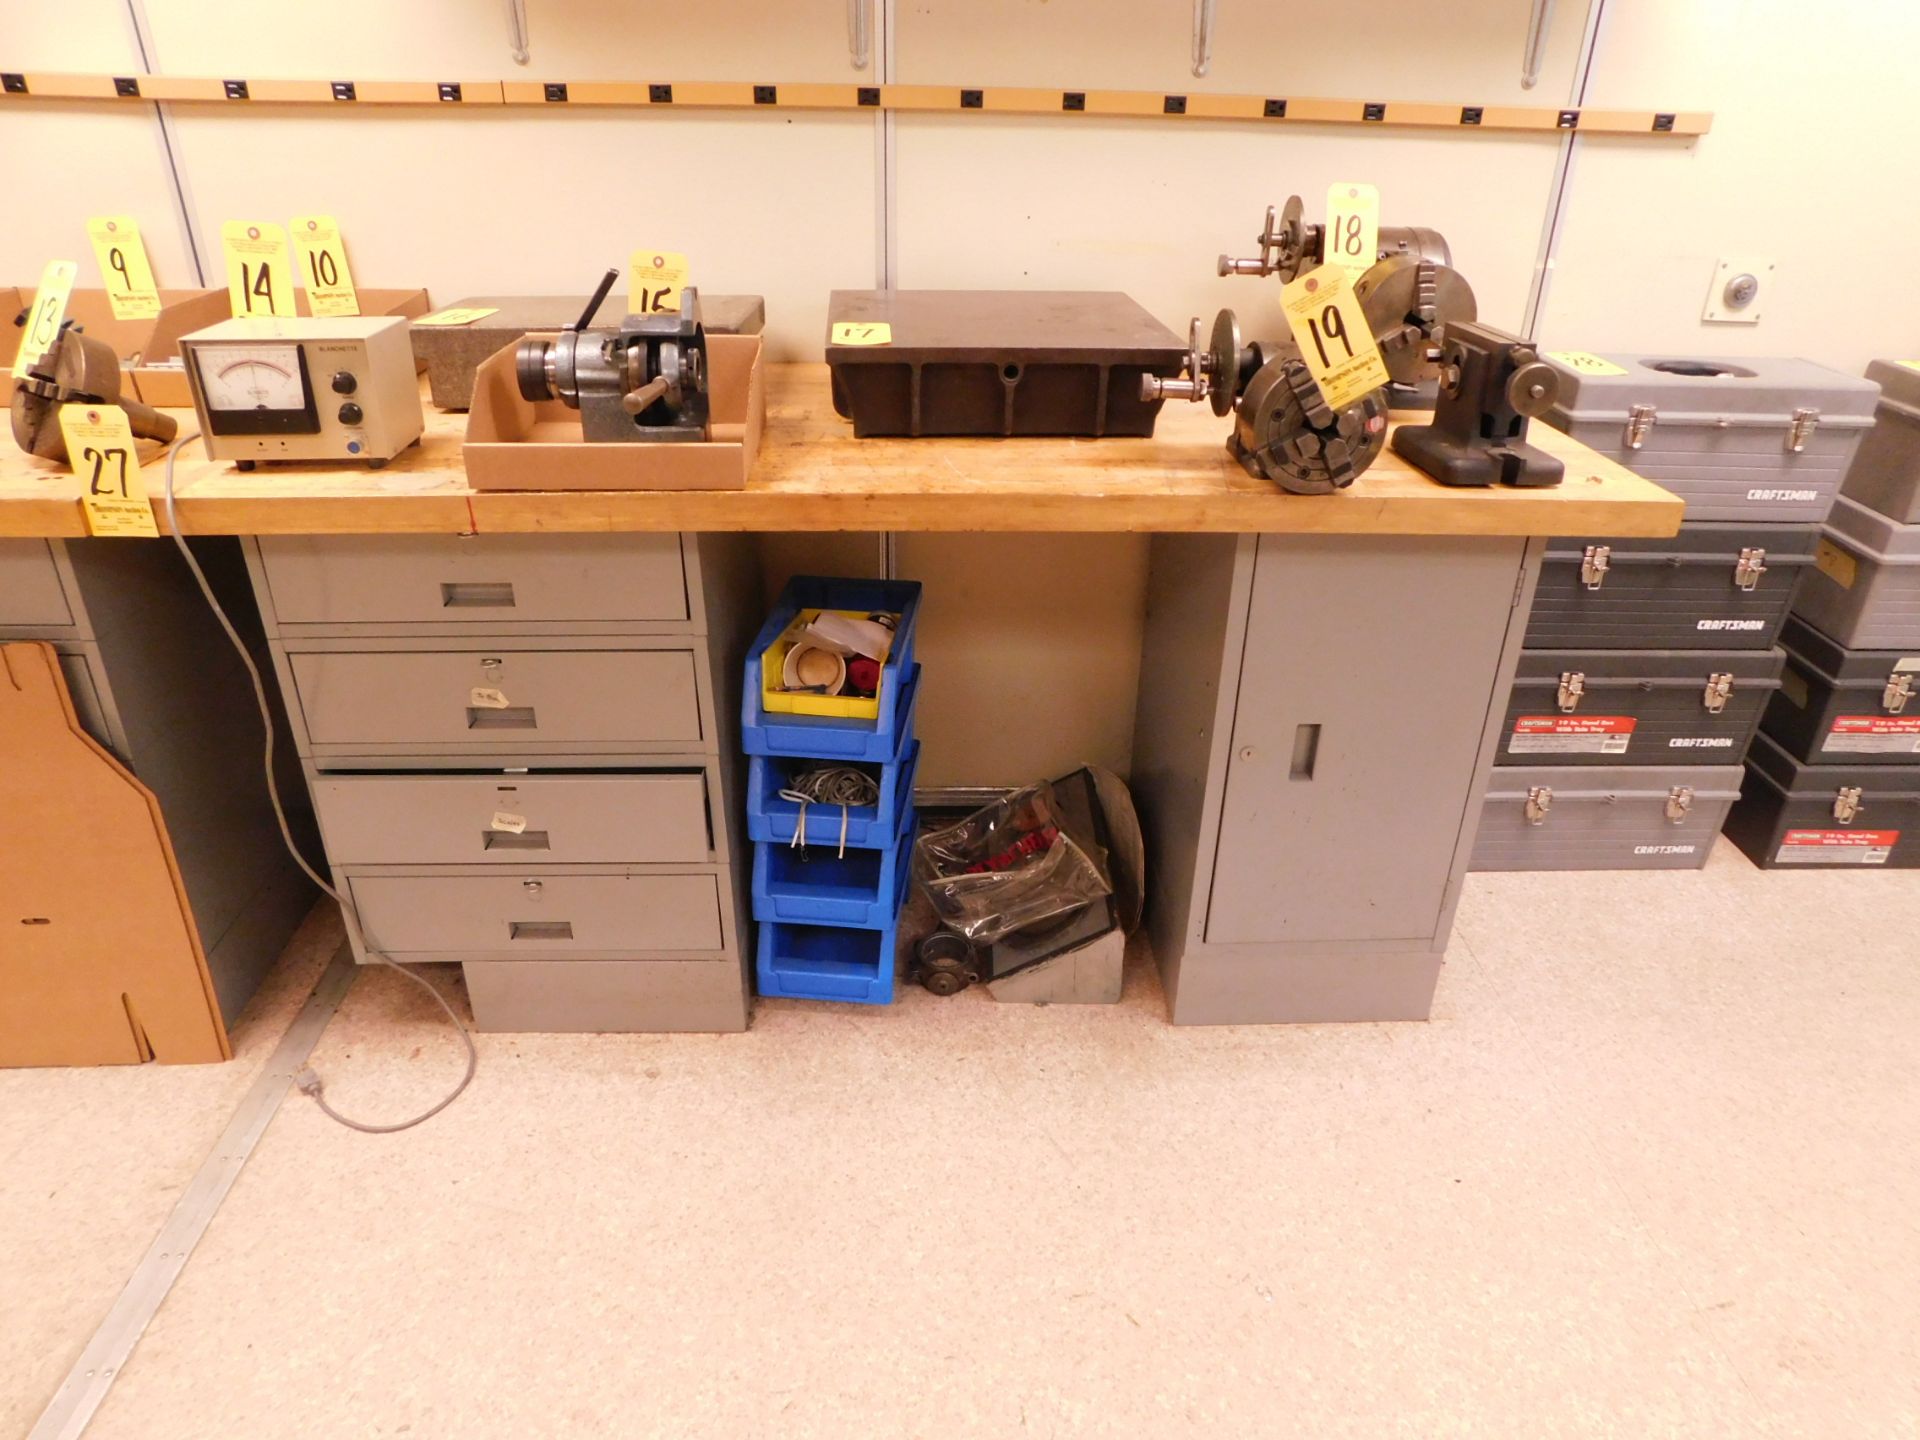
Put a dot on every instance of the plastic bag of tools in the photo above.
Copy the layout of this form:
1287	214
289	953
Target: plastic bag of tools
1009	866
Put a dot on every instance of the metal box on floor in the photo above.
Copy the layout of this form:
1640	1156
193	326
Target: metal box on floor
1622	817
1752	439
1837	706
1865	589
1636	707
1825	815
1885	474
1717	584
996	362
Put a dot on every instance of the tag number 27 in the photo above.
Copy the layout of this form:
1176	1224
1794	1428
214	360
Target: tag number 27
1325	327
100	458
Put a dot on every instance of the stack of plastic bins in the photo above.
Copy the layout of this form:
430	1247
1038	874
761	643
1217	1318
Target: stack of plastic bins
828	907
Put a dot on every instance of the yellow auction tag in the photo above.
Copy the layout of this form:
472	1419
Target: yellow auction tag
654	282
259	269
101	451
1836	564
123	265
49	308
1333	335
323	266
1583	363
459	315
1911	364
861	332
1353	225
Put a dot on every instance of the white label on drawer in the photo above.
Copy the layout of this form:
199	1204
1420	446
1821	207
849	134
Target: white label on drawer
512	824
1874	735
483	698
1571	735
1837	847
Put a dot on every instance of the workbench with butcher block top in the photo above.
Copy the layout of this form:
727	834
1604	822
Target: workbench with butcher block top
1320	688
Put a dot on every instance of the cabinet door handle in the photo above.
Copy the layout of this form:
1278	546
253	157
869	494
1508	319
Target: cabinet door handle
540	929
508	840
514	717
476	594
1306	751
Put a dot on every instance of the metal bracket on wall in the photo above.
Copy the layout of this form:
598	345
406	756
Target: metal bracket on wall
1202	36
860	33
1537	25
518	40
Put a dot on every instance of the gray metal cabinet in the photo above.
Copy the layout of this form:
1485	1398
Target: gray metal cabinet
1310	792
524	756
153	678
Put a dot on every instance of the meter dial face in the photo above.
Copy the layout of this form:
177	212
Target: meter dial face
252	377
260	389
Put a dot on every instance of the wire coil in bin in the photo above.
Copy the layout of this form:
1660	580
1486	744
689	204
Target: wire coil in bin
840	785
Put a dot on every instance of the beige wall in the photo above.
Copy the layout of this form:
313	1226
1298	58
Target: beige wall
1812	123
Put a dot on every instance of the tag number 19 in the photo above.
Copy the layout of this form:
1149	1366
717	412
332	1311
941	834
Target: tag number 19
1325	327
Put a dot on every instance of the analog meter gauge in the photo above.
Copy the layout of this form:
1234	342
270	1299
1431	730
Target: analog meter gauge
256	389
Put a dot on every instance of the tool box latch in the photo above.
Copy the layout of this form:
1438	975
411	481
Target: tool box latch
1752	565
1804	419
1846	804
1539	801
1679	802
1573	685
1595	564
1640	420
1719	687
1899	690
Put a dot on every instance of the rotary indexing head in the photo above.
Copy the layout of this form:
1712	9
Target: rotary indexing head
1287	433
1287	244
1406	301
1215	374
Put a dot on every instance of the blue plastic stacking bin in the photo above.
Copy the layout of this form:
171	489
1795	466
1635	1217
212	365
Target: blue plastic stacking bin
868	827
763	732
816	882
827	962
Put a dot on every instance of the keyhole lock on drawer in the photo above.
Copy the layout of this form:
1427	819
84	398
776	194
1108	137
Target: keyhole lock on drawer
534	888
491	667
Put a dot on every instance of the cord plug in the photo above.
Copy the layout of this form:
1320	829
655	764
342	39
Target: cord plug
308	1082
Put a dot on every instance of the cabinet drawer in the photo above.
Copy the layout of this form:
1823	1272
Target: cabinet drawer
402	582
587	698
604	996
530	913
568	819
30	590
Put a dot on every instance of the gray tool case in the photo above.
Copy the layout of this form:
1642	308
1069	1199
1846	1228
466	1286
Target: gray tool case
1837	706
1885	474
1824	815
1636	707
1865	592
1746	439
1621	817
1714	584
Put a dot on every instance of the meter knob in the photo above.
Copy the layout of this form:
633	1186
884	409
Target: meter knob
345	382
351	414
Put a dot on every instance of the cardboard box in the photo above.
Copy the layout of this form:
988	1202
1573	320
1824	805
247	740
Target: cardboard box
514	444
149	349
143	345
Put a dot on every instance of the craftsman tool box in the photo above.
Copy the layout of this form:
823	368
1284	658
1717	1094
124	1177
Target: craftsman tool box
1636	707
996	362
1865	589
1750	439
1825	815
1837	706
1621	817
1717	584
1885	474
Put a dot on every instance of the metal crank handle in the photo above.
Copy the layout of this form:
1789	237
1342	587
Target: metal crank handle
634	401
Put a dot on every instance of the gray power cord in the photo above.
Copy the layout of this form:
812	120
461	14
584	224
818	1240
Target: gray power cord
308	1079
840	785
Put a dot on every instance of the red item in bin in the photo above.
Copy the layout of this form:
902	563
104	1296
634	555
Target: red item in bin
863	675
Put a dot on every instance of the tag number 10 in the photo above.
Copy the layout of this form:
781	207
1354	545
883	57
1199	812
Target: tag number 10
1325	327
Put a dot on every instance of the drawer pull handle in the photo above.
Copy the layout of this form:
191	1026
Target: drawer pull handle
1306	752
509	840
540	929
477	594
514	717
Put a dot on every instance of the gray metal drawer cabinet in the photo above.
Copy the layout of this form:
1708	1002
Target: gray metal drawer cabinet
535	913
412	584
496	697
606	996
515	820
31	596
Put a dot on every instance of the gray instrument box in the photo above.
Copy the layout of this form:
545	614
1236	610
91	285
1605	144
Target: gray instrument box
1737	439
1713	584
1826	816
451	353
1636	707
1621	817
1837	706
1885	474
1865	592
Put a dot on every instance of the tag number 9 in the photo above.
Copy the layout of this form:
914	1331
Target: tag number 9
118	261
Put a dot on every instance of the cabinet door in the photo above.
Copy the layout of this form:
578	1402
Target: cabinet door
1369	668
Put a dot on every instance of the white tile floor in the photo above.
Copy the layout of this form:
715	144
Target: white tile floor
1653	1169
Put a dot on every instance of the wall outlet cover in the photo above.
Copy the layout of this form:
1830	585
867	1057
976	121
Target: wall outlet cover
1739	290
